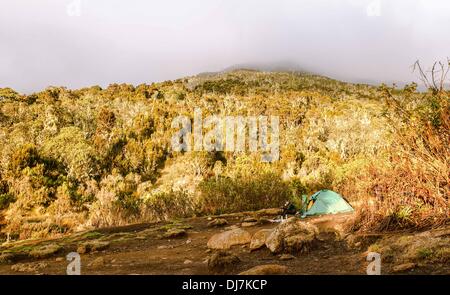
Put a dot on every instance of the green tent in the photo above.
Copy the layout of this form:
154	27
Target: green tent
327	202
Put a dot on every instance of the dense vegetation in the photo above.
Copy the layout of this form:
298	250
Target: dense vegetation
74	159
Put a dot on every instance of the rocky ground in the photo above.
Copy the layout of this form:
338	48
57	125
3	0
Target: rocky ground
242	243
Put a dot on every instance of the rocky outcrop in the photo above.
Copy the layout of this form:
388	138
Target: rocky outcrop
259	239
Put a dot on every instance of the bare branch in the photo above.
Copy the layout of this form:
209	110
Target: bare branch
422	76
433	71
439	73
441	80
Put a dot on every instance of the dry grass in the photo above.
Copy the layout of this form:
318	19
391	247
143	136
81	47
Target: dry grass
411	189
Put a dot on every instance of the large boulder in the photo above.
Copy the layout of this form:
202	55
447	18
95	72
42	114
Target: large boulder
268	269
229	238
293	235
259	239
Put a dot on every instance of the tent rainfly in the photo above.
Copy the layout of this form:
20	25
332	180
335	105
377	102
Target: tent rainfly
326	202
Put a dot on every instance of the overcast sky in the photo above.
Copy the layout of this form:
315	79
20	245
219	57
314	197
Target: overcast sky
78	43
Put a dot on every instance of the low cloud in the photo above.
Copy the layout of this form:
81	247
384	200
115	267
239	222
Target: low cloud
78	43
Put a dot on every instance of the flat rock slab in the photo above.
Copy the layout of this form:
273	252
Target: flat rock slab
227	239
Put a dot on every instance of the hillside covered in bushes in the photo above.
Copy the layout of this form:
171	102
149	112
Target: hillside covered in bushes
93	157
